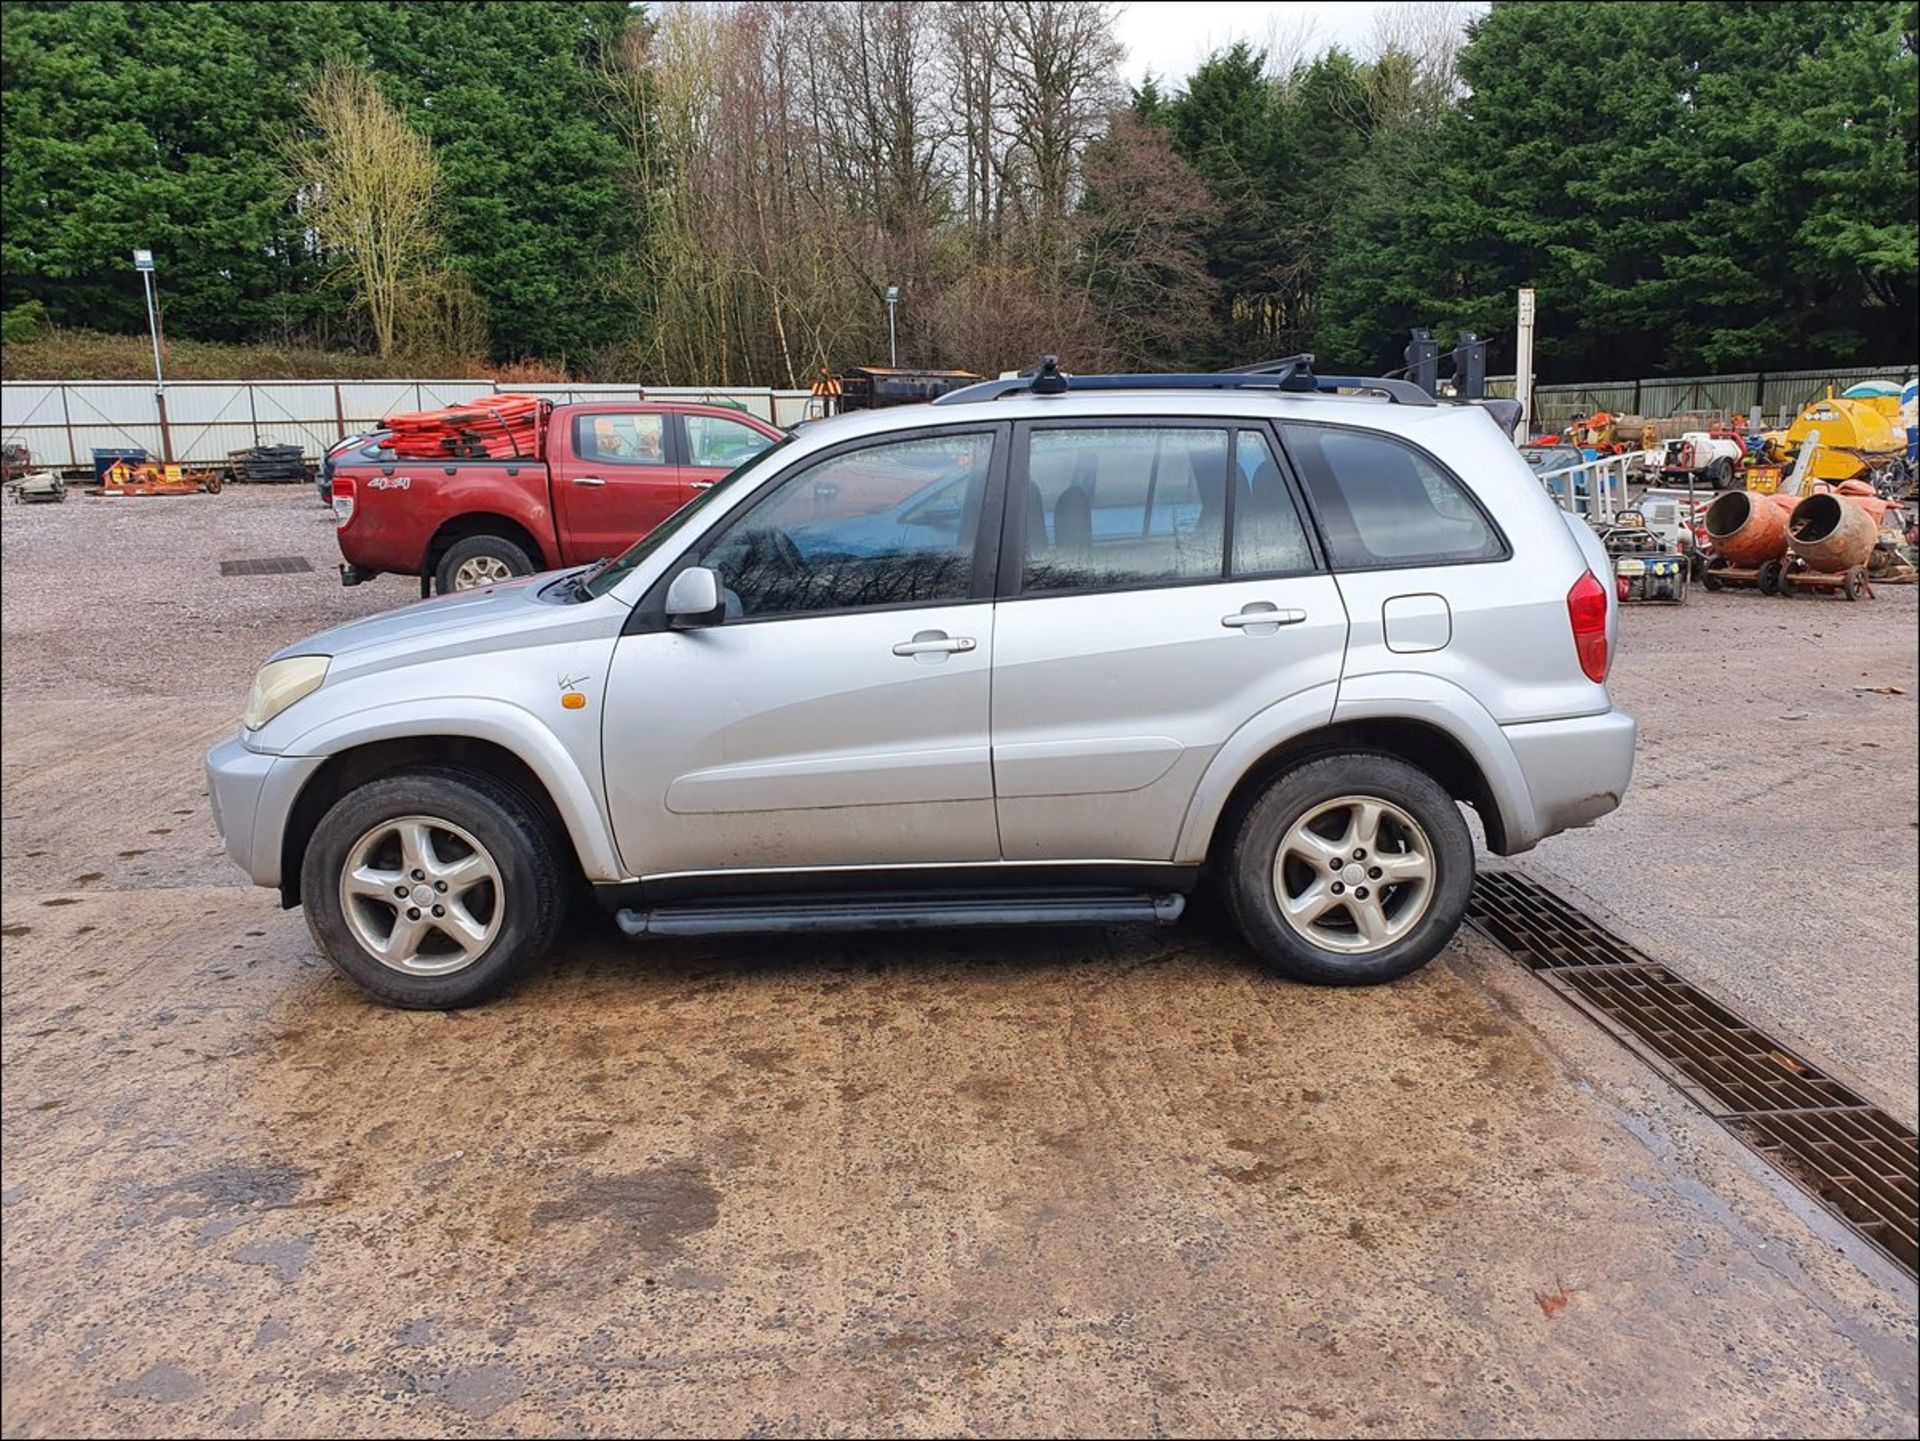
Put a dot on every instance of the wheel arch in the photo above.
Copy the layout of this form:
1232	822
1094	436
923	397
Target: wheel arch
1419	743
484	522
573	817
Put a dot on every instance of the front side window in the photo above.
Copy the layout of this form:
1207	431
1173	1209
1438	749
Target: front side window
889	525
1381	502
1123	506
713	440
637	439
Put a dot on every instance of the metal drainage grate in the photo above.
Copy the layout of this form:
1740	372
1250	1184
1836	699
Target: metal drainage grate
266	565
1849	1154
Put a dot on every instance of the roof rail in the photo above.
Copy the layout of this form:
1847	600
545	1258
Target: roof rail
1292	374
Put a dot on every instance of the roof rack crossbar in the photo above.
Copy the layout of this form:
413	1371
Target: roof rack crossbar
1293	375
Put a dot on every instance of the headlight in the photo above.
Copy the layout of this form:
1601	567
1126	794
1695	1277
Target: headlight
281	683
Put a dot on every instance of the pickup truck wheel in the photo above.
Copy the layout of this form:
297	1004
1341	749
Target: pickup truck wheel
432	889
480	560
1350	870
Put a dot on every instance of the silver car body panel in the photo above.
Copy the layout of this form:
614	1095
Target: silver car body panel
803	741
1108	708
1111	726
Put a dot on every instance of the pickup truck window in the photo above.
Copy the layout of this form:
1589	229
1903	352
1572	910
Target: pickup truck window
715	440
637	439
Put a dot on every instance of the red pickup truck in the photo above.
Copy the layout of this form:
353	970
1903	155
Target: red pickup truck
605	474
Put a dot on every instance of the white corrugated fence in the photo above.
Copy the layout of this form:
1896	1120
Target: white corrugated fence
63	422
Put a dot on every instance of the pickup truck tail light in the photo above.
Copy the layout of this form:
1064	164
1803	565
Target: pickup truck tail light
342	499
1587	612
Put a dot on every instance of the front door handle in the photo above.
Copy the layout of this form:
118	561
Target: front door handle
703	484
588	480
1257	615
934	644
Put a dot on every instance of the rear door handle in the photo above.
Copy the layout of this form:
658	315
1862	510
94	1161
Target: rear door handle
1259	613
703	485
588	480
934	642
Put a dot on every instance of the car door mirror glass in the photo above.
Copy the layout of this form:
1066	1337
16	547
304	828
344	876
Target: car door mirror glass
695	599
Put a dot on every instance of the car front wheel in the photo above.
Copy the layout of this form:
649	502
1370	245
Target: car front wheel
432	889
1350	870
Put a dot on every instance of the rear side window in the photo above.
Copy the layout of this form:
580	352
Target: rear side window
1268	537
1382	502
1123	506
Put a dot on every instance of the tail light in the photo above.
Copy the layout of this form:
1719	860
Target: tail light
1587	612
342	499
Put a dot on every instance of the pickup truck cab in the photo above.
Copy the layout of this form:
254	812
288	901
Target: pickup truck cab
606	473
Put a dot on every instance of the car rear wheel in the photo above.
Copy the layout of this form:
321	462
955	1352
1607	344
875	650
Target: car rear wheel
480	560
1350	870
431	889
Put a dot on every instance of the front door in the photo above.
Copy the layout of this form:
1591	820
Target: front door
615	477
838	716
1161	589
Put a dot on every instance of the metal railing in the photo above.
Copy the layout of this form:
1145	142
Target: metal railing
1606	483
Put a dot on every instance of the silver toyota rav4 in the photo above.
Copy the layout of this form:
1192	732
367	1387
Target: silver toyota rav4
1047	650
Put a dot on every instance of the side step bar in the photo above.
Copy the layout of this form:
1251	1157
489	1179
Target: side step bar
894	912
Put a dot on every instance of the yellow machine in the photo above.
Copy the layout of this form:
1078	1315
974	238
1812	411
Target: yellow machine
1855	434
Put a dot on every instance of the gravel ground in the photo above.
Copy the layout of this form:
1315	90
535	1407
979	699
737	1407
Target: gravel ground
1085	1182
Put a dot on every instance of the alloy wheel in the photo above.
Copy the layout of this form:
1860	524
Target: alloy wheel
422	896
1354	875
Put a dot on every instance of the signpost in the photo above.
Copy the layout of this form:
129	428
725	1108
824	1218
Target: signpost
143	262
893	349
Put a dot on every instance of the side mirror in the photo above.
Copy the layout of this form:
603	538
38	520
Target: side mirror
694	599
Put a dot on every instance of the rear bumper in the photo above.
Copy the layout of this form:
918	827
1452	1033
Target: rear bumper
1575	770
252	795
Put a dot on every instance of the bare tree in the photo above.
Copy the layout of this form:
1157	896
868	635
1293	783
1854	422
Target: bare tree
1427	39
367	183
1059	68
793	160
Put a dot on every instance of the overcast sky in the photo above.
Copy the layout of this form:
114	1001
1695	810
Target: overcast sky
1169	38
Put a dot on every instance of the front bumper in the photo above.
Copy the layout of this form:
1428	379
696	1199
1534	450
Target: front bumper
252	794
1576	770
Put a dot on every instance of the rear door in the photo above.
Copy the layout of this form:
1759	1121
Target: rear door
616	475
1159	589
715	444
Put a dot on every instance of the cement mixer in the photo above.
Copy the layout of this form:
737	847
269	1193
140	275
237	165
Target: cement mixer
1748	532
1830	539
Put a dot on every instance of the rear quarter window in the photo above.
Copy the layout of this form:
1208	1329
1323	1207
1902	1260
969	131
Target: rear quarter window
1382	503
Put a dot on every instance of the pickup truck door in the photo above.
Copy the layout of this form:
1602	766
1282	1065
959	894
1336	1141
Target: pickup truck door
713	445
616	475
838	716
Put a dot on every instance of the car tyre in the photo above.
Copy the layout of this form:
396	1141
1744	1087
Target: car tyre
1407	927
520	906
480	560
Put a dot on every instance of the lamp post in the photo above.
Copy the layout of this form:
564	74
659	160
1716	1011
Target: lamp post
143	262
893	347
